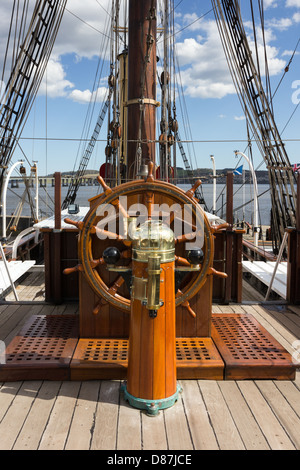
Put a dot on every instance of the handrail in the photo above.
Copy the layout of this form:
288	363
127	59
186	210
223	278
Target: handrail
8	273
265	254
21	235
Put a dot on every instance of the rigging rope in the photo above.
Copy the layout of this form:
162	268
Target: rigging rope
256	107
28	69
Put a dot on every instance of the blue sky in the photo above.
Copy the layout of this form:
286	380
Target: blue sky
217	123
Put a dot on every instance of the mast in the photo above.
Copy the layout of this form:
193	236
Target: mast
141	85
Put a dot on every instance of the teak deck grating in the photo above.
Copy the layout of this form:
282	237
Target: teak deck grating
48	347
247	348
43	348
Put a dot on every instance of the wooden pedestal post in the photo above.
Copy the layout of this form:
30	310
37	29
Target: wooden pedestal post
151	377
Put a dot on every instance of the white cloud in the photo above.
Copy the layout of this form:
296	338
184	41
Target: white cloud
270	4
289	53
80	34
86	96
275	64
282	24
293	3
54	82
239	118
296	17
204	70
84	28
56	85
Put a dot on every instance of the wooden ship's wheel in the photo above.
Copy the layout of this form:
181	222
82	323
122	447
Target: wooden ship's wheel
144	199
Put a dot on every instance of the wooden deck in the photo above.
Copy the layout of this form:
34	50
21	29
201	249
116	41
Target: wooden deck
92	415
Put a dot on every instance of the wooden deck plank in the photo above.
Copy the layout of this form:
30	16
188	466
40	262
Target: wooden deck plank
154	432
250	294
178	434
271	427
57	429
201	430
226	309
249	430
6	325
8	391
15	317
13	420
37	419
282	409
288	319
294	321
129	427
32	291
31	288
216	308
295	309
290	390
276	329
106	417
226	432
82	425
25	289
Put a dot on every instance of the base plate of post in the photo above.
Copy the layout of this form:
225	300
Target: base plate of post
151	406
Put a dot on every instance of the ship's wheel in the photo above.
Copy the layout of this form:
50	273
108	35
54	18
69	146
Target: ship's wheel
114	208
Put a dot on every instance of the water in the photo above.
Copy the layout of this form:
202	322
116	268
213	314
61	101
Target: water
241	195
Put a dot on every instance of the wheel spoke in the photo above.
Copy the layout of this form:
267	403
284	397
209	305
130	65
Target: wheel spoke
186	305
191	191
75	269
107	234
98	306
149	201
116	285
182	261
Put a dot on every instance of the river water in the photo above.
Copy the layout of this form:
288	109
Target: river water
242	194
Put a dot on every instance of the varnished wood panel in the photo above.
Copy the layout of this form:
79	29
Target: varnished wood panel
201	304
110	322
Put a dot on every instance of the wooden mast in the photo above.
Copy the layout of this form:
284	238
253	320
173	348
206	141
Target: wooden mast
141	85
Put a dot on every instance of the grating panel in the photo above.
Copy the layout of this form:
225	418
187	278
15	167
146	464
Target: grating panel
240	348
198	358
100	359
248	350
105	358
105	350
43	344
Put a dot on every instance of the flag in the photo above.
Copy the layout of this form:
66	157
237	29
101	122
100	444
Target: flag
238	171
296	167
